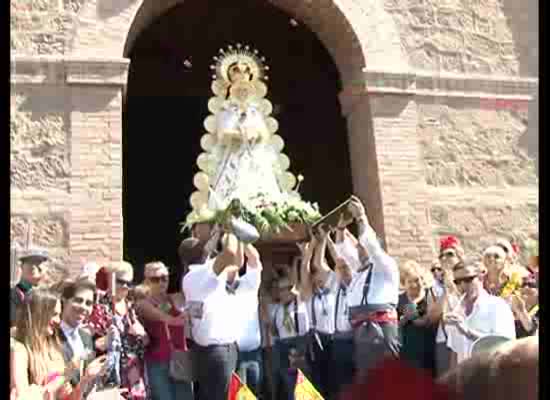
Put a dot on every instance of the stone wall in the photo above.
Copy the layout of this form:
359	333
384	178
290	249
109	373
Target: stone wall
438	162
481	180
468	146
43	26
463	36
467	36
66	174
40	171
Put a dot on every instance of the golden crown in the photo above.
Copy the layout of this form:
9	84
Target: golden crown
241	59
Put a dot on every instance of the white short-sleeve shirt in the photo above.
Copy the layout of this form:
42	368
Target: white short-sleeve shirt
491	315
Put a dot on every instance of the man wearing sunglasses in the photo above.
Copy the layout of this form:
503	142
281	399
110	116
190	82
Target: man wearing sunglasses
32	272
78	299
477	314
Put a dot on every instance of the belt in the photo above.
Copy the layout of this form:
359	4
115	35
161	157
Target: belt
212	346
376	316
342	335
251	351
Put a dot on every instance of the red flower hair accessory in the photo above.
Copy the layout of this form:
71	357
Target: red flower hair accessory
395	380
449	242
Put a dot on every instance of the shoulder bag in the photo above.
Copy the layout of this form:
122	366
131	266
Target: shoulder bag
181	368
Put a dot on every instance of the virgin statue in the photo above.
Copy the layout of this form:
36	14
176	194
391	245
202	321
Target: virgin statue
242	159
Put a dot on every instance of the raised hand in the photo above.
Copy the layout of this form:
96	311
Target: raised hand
356	208
136	329
253	256
518	304
96	368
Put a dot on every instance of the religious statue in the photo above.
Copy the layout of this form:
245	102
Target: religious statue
243	167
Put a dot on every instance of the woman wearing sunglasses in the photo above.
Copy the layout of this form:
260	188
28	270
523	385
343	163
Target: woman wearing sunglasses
525	305
114	310
164	322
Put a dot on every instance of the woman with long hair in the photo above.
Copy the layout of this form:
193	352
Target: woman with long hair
164	322
37	356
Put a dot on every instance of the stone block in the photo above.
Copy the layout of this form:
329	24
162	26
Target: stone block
48	230
38	149
470	147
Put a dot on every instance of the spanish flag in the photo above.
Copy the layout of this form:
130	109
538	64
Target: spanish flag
238	390
304	389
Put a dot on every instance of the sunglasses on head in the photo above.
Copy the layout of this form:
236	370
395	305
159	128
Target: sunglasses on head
466	279
123	283
157	279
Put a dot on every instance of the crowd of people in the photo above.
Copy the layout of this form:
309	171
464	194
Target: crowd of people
343	308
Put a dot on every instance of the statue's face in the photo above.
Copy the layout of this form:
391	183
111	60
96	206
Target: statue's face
239	71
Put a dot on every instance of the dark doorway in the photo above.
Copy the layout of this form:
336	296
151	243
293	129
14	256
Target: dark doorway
167	94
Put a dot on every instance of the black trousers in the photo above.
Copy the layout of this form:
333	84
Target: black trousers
215	365
284	373
319	362
342	368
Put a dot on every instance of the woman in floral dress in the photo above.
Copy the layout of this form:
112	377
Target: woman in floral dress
117	312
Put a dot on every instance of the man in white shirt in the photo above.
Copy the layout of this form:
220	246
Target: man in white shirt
478	314
215	313
373	293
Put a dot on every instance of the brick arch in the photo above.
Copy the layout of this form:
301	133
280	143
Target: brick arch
352	30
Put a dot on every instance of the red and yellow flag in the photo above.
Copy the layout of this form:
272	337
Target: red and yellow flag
304	389
238	390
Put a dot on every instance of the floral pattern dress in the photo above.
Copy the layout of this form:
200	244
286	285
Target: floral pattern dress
132	369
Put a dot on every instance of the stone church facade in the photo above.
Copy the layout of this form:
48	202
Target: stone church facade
440	98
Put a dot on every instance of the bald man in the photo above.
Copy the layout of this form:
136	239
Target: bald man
510	373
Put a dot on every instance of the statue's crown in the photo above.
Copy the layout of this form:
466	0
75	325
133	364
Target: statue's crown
239	59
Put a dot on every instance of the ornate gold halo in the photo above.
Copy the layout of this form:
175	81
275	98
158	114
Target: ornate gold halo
239	54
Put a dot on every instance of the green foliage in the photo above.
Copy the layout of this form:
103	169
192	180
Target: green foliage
268	217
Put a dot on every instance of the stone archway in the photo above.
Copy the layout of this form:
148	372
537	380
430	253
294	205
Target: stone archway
351	30
363	42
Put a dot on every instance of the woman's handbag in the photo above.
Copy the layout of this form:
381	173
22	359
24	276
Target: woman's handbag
181	366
